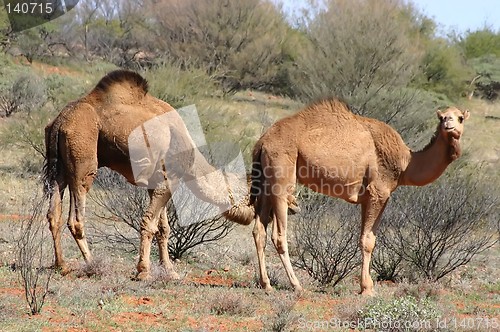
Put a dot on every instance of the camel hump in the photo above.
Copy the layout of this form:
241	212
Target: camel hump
122	78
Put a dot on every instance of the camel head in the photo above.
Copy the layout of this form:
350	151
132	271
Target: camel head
452	122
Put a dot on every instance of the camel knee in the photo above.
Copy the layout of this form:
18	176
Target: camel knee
76	229
367	243
280	243
148	226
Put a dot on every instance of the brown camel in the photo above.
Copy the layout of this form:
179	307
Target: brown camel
337	153
95	131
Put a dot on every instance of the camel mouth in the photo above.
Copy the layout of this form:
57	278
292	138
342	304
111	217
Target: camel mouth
449	128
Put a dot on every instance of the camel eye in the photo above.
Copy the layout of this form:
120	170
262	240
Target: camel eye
441	118
460	119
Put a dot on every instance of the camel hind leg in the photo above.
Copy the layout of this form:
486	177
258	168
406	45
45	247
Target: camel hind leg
76	220
54	216
162	239
263	208
279	238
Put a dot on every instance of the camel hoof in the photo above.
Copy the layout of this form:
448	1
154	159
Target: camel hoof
367	292
173	275
143	276
63	269
293	209
298	289
268	289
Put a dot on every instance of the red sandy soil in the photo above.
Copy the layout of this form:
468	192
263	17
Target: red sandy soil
49	69
12	291
13	217
213	278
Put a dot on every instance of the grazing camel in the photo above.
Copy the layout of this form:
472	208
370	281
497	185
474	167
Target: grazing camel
95	131
337	153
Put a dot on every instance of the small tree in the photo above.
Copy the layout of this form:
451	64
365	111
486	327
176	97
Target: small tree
326	236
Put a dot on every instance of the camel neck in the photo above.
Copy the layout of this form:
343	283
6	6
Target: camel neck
427	165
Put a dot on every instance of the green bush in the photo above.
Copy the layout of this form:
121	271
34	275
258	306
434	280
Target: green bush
237	41
445	70
179	84
479	43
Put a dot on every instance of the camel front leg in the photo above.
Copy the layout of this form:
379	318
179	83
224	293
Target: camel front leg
279	237
260	238
371	212
149	228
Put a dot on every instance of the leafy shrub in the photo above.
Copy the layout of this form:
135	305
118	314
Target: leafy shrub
479	43
284	316
445	70
355	51
238	41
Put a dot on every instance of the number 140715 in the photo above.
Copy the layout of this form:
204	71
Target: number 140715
29	8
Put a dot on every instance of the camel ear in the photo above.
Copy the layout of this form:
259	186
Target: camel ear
439	114
466	114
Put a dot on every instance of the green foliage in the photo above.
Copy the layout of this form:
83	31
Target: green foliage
487	83
399	314
445	70
26	94
353	51
179	84
479	43
238	41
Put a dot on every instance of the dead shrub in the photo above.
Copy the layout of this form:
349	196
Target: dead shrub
284	318
325	237
429	232
231	303
33	252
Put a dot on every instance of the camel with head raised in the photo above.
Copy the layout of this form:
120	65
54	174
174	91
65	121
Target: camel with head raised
335	152
95	131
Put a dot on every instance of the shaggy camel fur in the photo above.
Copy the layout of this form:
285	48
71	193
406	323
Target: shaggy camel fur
335	152
93	132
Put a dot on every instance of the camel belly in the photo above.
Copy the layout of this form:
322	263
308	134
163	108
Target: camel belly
344	183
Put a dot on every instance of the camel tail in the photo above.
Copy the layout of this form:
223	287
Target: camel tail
256	175
50	168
